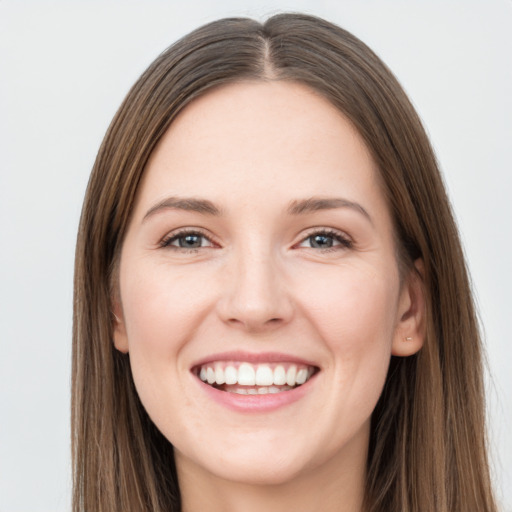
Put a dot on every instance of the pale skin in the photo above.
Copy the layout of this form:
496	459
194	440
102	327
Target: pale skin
290	250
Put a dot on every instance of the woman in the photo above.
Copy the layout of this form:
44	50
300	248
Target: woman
271	304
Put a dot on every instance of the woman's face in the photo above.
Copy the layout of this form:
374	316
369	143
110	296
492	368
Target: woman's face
260	299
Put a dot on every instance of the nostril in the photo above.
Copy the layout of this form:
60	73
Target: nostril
242	320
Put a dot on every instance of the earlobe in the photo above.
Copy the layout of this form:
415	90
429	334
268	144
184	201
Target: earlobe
119	329
410	329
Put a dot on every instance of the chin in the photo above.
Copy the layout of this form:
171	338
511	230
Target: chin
267	472
260	463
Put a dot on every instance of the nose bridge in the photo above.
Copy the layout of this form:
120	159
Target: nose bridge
255	296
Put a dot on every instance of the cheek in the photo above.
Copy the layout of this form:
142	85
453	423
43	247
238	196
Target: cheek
353	307
162	308
355	314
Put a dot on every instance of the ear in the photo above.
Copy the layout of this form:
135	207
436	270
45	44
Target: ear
119	328
410	329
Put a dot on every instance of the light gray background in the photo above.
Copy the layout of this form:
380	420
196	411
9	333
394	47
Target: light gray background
65	67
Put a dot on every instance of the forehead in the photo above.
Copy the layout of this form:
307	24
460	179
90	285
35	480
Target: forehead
279	140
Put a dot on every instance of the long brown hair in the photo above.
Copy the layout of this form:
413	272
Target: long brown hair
427	445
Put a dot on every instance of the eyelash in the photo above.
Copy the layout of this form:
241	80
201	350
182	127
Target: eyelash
173	237
344	241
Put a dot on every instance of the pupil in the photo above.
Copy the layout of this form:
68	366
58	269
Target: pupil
190	241
321	241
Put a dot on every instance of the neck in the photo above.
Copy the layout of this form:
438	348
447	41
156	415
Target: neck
334	486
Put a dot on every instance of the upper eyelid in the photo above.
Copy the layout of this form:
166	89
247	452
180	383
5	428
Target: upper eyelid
344	240
186	231
177	233
299	238
325	230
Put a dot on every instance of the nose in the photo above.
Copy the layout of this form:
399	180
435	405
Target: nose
255	296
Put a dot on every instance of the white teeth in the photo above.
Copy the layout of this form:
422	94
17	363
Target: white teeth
210	375
301	377
246	375
230	374
290	375
261	375
279	376
264	376
239	391
219	375
258	391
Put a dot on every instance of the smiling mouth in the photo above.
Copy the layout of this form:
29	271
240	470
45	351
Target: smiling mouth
254	379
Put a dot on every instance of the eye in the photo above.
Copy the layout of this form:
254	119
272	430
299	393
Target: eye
186	240
326	239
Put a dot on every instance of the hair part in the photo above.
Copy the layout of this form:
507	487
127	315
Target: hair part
427	447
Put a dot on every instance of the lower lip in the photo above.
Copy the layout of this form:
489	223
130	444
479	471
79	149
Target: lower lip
256	403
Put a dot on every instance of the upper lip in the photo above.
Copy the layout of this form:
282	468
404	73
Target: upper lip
254	357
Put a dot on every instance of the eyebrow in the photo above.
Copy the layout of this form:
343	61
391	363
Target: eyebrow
298	207
314	204
191	204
